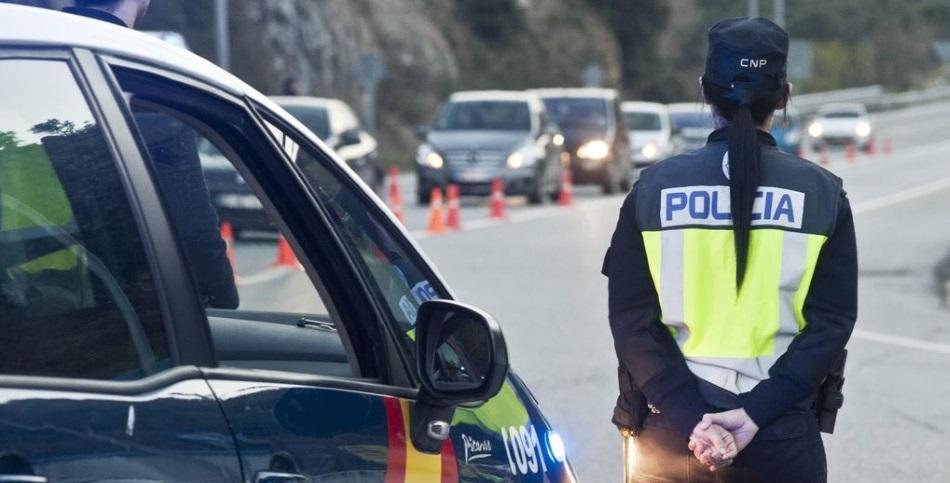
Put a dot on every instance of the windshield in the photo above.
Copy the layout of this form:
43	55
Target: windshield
642	121
577	112
315	118
680	120
484	116
841	115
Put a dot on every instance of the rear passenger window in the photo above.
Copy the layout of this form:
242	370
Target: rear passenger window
77	297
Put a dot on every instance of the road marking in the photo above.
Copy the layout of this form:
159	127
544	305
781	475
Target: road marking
899	341
901	196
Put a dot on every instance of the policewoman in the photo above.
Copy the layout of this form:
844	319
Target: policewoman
732	285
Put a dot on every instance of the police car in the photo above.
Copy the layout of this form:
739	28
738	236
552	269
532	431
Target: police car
122	360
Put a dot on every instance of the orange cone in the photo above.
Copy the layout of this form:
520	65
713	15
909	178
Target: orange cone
436	223
872	148
497	203
227	234
285	254
566	197
800	152
453	216
852	153
824	156
888	147
395	197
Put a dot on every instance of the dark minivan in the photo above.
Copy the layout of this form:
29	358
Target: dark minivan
594	135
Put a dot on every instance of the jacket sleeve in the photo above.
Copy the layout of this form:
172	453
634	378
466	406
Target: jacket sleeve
644	346
831	309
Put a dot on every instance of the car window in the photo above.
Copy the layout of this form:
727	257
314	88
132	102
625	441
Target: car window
841	115
315	118
401	281
578	112
77	298
642	121
484	116
690	119
263	309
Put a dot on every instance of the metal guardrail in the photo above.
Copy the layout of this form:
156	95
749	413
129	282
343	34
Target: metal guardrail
875	98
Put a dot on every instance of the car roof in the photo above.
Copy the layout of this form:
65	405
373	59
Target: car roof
581	92
40	27
643	106
689	107
473	96
843	107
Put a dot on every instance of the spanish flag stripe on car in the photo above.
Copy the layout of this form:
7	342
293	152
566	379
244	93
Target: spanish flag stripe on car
407	464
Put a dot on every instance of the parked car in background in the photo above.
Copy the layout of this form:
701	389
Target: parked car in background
692	123
355	365
334	122
841	124
787	130
651	135
480	136
594	135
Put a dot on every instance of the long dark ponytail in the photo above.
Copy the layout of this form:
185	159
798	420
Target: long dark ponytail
744	105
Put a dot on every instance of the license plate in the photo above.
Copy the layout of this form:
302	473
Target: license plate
475	175
245	202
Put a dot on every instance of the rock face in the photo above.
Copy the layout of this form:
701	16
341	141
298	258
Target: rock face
429	48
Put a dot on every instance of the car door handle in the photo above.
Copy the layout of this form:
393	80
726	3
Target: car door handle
23	479
272	477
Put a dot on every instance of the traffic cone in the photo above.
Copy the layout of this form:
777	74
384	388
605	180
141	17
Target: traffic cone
872	148
285	254
800	152
227	234
497	203
824	156
852	153
395	197
888	147
453	216
566	197
436	224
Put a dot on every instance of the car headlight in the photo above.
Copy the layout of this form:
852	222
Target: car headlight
593	150
649	151
556	447
434	160
863	129
816	130
558	140
515	160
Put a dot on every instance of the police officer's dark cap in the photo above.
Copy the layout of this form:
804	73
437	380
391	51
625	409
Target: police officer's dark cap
750	52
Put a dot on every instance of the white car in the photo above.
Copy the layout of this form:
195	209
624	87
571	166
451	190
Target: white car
692	122
650	131
841	124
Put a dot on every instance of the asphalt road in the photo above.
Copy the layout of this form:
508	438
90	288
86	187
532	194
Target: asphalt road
538	273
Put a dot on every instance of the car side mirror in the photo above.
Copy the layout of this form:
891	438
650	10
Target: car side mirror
351	137
422	132
461	358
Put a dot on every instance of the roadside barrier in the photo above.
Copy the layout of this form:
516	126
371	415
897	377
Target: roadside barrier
395	197
566	197
436	224
453	215
285	255
497	203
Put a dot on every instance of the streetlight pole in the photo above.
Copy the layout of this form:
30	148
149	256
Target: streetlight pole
222	35
753	8
778	12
